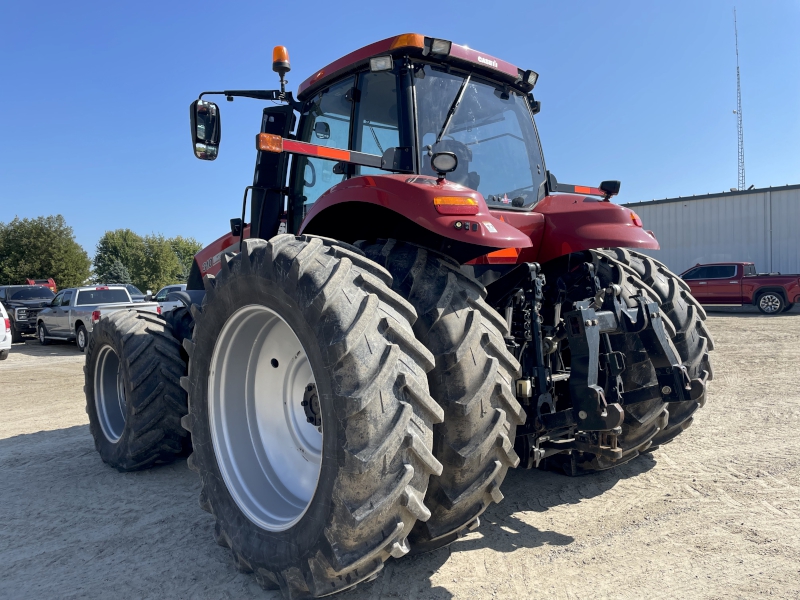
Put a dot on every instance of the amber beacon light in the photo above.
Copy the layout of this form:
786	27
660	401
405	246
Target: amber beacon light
280	60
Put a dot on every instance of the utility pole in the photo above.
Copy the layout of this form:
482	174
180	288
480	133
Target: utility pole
738	110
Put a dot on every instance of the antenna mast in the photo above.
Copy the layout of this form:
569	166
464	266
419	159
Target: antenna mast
739	107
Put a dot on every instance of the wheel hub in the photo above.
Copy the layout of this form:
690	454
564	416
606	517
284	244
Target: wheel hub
265	417
109	394
769	303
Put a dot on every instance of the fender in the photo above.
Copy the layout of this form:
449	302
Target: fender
574	223
402	206
564	223
207	261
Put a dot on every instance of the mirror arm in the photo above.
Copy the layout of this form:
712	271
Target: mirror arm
274	95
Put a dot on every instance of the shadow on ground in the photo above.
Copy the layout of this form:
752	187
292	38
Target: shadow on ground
70	522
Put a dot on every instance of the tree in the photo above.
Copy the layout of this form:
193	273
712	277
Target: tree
185	249
118	273
41	248
158	264
120	245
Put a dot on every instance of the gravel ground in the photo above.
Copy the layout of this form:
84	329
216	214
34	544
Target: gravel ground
714	514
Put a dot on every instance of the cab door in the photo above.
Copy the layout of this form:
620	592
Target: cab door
724	285
62	316
697	279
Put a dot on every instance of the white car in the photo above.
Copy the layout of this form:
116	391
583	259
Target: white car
169	304
5	333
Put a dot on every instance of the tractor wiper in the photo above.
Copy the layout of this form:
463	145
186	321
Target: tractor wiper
453	107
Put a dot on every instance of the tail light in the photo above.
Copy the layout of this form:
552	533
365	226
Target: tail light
8	324
636	220
95	316
456	205
158	310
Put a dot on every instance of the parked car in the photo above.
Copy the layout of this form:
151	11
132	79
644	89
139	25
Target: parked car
22	304
136	293
737	284
5	333
71	315
169	303
48	283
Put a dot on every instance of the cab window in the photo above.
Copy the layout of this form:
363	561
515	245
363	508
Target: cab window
326	123
377	116
66	298
57	300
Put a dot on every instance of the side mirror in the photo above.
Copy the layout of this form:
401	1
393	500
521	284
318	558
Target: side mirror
236	227
322	130
206	129
610	188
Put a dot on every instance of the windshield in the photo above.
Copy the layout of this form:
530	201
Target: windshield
494	138
33	293
101	297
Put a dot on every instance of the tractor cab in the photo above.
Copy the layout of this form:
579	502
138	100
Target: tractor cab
391	107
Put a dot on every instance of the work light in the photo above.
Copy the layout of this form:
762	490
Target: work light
380	63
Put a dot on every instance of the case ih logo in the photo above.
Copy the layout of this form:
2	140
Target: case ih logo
487	62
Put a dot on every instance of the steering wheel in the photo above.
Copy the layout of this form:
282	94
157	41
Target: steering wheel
313	174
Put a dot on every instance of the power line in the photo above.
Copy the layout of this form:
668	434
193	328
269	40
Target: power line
739	107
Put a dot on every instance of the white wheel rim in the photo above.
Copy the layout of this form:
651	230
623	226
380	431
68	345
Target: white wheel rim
269	455
41	333
81	340
109	394
770	303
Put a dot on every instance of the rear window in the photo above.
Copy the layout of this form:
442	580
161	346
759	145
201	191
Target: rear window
101	297
32	293
749	269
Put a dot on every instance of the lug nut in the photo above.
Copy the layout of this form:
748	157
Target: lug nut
666	390
582	414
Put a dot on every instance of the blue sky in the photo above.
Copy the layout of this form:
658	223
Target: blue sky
94	95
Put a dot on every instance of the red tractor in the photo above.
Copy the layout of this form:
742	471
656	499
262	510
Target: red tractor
415	306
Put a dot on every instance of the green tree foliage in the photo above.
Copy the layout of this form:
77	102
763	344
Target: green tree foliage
121	245
40	248
152	261
118	273
185	249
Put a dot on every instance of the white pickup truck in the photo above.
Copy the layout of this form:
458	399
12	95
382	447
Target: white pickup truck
71	315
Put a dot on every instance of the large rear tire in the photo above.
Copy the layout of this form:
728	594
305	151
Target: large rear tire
133	395
299	313
473	381
692	339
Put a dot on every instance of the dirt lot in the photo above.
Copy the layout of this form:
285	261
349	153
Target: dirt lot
714	514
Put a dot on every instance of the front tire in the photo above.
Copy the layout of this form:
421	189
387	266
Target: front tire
16	336
41	333
291	313
133	394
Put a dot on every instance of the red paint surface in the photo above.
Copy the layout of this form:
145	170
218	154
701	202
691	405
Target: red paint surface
505	70
412	197
213	252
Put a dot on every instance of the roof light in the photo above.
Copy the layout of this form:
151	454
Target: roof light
530	77
440	47
456	205
380	63
408	39
280	60
268	142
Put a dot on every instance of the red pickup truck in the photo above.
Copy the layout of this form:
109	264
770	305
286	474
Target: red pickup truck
736	284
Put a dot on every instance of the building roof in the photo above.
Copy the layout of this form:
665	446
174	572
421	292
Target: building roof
719	195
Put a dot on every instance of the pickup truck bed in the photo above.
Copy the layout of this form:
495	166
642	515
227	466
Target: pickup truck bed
74	311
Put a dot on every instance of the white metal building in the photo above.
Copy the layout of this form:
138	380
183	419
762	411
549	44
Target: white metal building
760	226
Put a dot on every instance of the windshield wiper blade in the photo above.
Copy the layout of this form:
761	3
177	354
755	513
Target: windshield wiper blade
453	107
